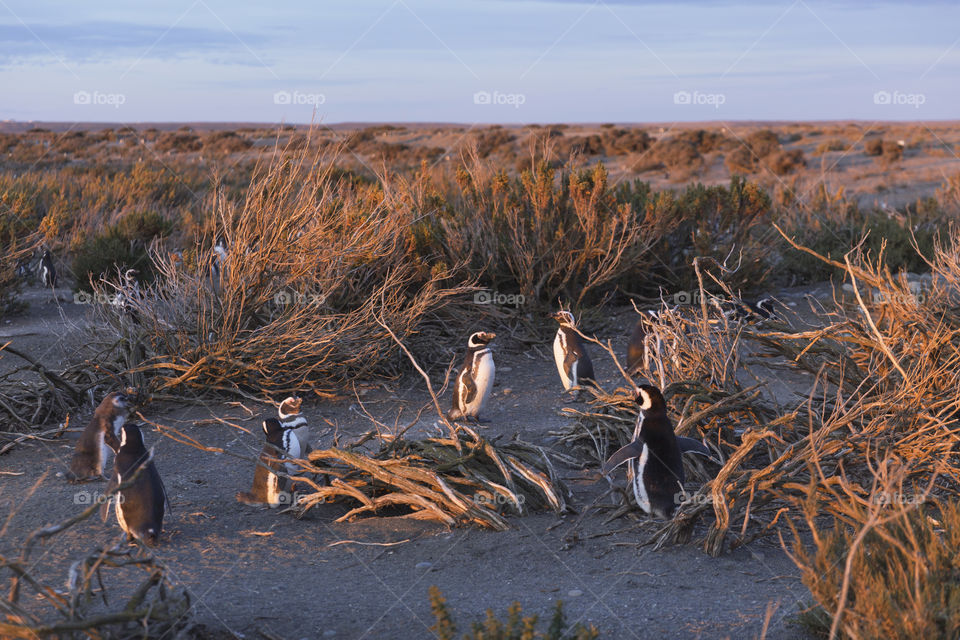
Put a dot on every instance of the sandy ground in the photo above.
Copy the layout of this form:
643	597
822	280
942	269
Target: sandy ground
252	569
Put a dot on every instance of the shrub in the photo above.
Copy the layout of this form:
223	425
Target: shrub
873	147
515	627
830	145
679	157
122	246
784	162
178	142
225	142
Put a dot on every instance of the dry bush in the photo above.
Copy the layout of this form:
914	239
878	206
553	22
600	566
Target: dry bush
750	151
783	162
179	142
225	142
873	146
314	263
882	381
460	479
948	194
885	566
548	235
679	157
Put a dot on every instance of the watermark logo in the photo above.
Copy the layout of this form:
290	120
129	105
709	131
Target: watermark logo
502	299
285	298
99	98
299	98
498	98
84	297
94	497
683	498
686	297
699	98
497	500
899	98
885	497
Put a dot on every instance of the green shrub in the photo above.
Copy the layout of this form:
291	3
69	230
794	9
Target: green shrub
515	627
122	246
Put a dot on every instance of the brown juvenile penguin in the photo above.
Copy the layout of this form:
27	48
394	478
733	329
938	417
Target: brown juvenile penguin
269	488
100	436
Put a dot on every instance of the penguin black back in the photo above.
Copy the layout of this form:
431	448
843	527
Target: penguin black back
656	467
139	507
48	273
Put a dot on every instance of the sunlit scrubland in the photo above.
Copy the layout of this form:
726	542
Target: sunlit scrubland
857	472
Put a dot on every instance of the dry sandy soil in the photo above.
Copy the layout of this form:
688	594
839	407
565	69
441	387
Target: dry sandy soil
252	569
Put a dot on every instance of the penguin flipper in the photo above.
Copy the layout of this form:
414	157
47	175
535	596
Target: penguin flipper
689	445
626	452
469	390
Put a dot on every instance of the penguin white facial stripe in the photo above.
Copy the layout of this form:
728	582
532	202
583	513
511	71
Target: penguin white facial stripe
647	400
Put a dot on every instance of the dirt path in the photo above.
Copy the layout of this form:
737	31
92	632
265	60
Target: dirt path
302	581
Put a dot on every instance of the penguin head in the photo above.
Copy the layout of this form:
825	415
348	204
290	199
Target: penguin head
480	339
565	318
131	438
290	406
649	398
119	401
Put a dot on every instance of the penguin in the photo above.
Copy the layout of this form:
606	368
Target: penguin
292	419
475	381
269	488
570	354
140	506
654	455
101	435
220	257
746	311
48	273
24	268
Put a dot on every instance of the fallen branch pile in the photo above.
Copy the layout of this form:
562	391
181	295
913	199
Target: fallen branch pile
459	479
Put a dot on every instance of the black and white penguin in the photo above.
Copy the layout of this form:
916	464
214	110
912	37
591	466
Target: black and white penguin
48	273
268	487
99	438
570	354
654	456
24	267
475	380
219	260
292	419
140	506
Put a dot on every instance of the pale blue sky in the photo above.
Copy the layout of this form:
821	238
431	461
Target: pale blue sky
411	60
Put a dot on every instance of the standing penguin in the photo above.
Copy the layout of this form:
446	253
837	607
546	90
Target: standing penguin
219	260
140	506
570	354
48	273
101	435
291	418
475	381
656	466
269	488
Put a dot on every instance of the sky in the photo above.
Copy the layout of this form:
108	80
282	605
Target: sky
478	61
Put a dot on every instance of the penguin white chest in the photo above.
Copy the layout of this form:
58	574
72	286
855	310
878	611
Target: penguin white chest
639	489
559	356
483	373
